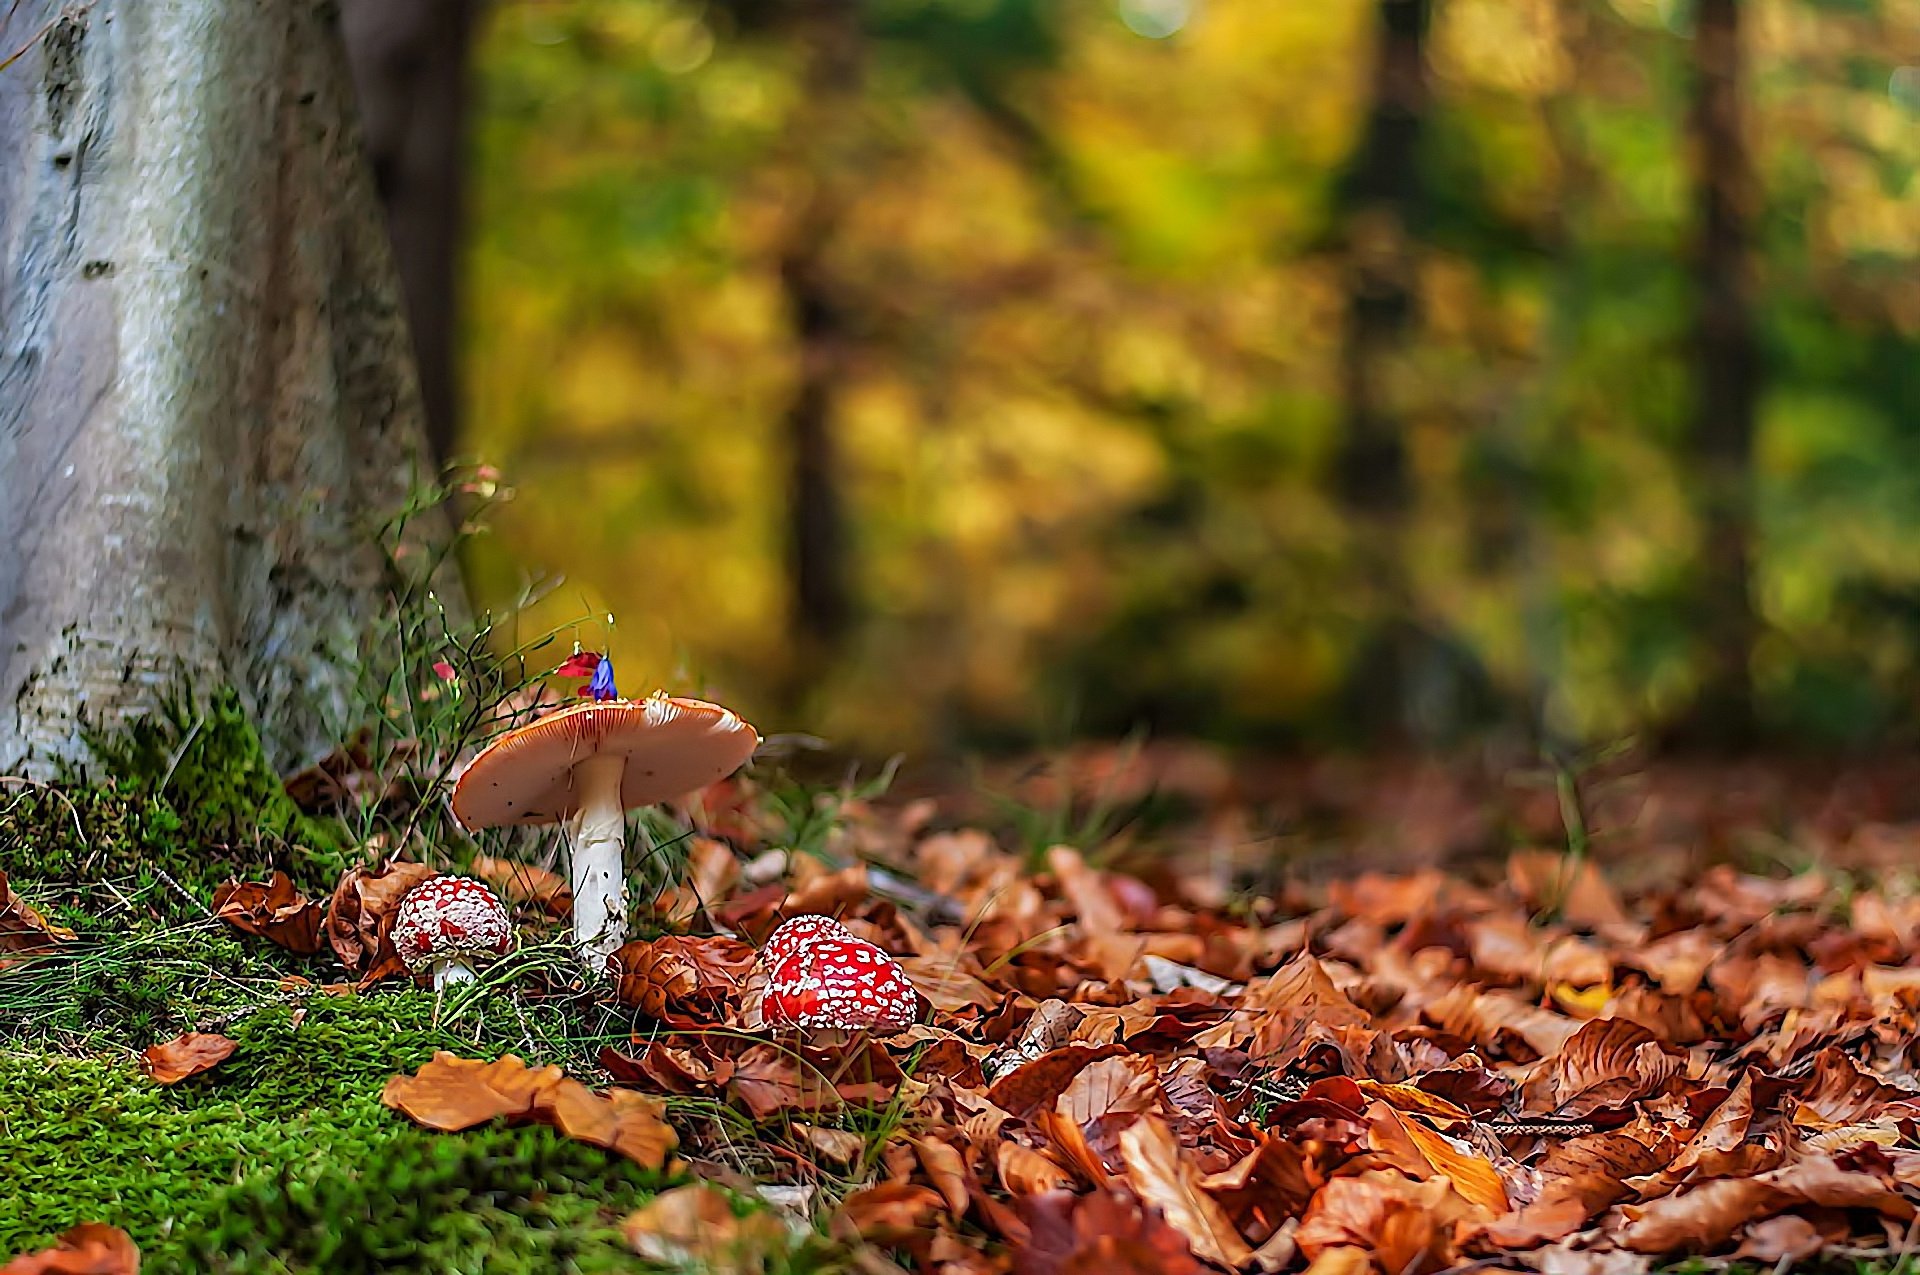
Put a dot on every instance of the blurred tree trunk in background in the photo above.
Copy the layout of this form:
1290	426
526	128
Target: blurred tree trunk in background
410	71
1727	379
207	404
1395	689
821	602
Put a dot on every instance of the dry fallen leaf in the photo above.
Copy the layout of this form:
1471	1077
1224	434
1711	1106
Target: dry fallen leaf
360	919
88	1249
685	982
23	930
695	1226
451	1093
184	1056
272	909
1106	1232
1406	1226
1710	1214
1171	1184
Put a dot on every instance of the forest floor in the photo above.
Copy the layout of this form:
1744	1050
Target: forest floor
1177	1014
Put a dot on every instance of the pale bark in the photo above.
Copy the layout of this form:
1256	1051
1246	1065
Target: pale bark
206	401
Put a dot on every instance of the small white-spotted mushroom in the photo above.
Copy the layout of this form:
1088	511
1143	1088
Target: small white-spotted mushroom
596	761
820	977
446	923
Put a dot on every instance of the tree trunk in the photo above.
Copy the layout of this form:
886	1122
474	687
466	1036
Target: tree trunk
1405	685
1727	379
207	408
821	602
410	75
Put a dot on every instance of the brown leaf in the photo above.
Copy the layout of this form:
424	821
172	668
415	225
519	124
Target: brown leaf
23	930
694	1226
711	870
273	910
91	1248
1838	1093
1786	1238
768	1080
1036	1084
1546	879
947	988
184	1056
1408	1226
1608	1063
1104	1233
1027	1172
1707	1216
685	982
946	1168
665	1068
451	1093
526	884
1161	1177
889	1213
1121	1085
360	919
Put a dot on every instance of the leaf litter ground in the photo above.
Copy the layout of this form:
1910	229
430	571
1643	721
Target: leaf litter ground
1123	1061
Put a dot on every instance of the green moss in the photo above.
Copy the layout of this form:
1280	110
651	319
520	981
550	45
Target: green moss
283	1159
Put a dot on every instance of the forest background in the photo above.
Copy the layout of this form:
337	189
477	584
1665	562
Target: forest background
948	373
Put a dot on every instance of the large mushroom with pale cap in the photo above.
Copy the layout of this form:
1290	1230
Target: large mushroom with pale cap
593	762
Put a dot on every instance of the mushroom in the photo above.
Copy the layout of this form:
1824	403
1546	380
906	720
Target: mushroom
597	760
819	976
445	922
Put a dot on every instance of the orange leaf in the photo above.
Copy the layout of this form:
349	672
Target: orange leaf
273	910
88	1249
695	1226
1170	1183
185	1056
451	1093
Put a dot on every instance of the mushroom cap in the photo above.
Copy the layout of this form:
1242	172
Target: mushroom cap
796	933
672	746
846	984
445	917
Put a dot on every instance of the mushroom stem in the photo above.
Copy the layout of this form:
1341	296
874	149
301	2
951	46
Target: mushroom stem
447	973
599	869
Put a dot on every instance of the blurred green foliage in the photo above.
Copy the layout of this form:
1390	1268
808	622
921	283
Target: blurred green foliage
1080	251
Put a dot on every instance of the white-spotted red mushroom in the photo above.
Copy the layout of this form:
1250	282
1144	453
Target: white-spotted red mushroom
596	761
837	982
796	933
446	923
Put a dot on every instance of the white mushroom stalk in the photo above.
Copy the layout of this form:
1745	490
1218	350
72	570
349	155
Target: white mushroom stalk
599	861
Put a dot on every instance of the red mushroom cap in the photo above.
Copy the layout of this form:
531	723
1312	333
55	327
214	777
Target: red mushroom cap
448	916
842	983
796	933
672	746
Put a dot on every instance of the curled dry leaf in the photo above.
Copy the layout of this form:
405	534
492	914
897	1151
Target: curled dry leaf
1407	1226
1607	1063
686	982
1710	1214
92	1248
184	1056
273	910
452	1093
23	930
695	1226
1161	1177
1036	1084
1024	1171
1106	1231
360	919
525	884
